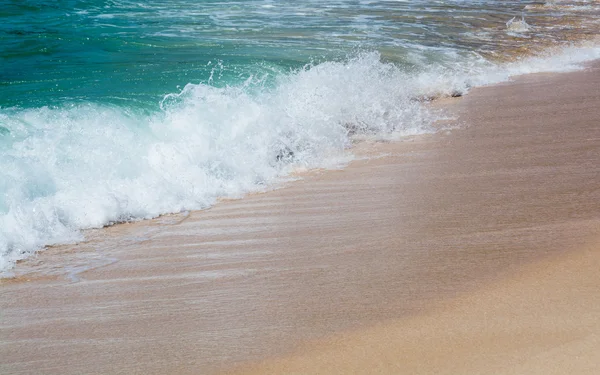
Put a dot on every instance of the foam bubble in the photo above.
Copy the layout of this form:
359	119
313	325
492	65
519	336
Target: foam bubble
518	26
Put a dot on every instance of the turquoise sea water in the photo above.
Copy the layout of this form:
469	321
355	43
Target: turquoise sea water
135	52
116	110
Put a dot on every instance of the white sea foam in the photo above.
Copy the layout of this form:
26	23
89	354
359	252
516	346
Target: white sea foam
517	26
86	165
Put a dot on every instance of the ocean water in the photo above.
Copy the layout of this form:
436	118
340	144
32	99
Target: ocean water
117	110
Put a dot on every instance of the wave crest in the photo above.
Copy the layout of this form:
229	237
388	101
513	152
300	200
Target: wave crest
88	165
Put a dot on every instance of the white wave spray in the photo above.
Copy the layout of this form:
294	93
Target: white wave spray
88	165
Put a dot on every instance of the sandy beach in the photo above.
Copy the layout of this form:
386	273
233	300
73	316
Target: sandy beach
543	321
472	251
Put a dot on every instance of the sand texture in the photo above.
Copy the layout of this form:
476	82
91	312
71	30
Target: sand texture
544	321
471	251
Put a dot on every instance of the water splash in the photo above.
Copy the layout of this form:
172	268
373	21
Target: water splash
87	165
518	26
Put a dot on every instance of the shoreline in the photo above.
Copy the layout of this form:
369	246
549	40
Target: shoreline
540	317
389	238
558	59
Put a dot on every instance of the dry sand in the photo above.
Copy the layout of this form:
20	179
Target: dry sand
472	251
544	321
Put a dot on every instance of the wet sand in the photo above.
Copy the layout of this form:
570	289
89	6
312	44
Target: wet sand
468	251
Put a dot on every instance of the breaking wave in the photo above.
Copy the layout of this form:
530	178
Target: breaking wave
87	165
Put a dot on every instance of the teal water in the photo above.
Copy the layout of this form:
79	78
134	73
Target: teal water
138	51
121	110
